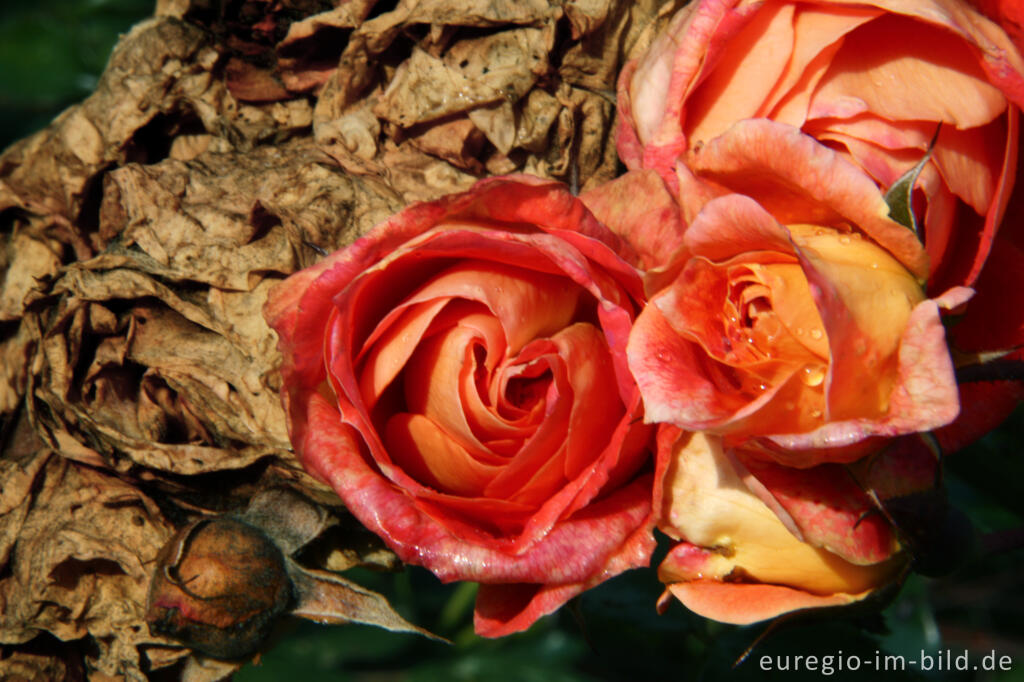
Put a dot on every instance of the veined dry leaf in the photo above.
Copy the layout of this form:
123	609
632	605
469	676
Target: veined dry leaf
79	564
15	351
159	71
219	153
155	354
437	63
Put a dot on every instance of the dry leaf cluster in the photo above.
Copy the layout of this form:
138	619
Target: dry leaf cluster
228	144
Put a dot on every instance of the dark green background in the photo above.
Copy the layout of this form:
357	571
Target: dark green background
51	52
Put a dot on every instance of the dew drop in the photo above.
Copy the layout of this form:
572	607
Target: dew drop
813	375
874	266
799	331
816	334
816	414
845	239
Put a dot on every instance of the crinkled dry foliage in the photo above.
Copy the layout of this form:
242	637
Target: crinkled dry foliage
227	145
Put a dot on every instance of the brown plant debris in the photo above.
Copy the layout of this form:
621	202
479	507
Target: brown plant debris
228	144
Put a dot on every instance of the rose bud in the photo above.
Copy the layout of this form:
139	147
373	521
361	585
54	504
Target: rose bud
221	584
219	588
756	539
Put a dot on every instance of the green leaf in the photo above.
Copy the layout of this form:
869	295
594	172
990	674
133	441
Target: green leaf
901	193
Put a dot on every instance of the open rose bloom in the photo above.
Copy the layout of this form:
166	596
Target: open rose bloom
459	377
478	378
792	319
871	79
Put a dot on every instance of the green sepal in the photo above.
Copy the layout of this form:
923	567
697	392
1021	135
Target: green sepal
901	193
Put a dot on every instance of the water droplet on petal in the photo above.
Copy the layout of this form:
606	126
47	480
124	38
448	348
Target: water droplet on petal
813	375
845	239
816	334
816	414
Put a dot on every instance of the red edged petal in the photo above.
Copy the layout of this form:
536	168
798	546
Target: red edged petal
994	319
639	208
666	369
742	79
906	465
976	244
504	609
999	57
924	398
939	76
798	180
829	509
733	225
572	551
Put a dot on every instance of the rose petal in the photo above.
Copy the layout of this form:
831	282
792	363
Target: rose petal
504	609
745	603
865	298
742	80
901	69
818	32
798	180
830	510
392	344
976	244
434	458
639	208
924	397
707	504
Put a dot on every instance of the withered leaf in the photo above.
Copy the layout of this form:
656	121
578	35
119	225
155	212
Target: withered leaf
329	599
80	562
220	153
434	63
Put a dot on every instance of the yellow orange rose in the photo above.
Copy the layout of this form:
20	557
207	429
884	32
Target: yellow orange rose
751	547
792	314
873	80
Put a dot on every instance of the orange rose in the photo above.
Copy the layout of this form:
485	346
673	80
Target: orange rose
793	312
872	80
756	540
458	375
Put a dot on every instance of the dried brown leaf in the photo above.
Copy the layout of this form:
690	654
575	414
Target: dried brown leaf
219	153
44	663
436	64
80	563
15	351
329	599
159	68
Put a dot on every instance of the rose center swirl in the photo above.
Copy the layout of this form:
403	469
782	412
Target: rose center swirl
473	378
